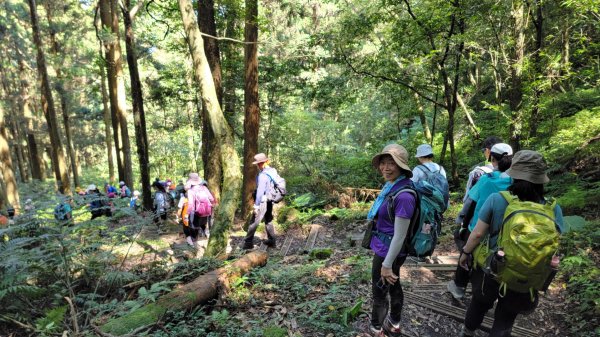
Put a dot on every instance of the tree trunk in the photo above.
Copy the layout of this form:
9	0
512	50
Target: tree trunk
210	150
116	88
230	52
229	157
537	67
187	296
60	88
515	94
10	192
139	118
17	142
423	118
107	124
59	165
251	104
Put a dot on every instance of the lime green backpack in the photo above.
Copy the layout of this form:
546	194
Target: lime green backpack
529	238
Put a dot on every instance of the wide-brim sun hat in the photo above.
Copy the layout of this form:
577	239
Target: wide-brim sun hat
260	158
398	153
424	150
193	179
530	166
502	149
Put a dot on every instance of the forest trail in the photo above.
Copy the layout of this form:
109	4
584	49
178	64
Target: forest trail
428	311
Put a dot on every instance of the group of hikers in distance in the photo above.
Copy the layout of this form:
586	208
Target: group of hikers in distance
507	236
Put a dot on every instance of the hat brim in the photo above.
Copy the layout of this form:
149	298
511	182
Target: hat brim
528	176
260	161
376	158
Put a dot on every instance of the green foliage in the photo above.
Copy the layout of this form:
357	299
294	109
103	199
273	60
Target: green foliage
275	331
581	273
349	314
320	253
52	321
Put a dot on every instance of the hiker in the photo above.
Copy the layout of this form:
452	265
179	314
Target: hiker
263	206
111	191
392	164
63	212
124	190
200	205
98	205
501	158
461	235
160	205
425	157
512	277
191	234
133	201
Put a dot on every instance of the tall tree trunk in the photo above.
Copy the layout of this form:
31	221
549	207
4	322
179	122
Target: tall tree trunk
229	52
107	124
116	86
18	144
537	66
10	192
423	118
210	151
229	157
139	118
251	107
60	88
515	94
59	165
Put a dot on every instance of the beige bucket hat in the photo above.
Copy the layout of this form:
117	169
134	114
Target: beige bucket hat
530	166
398	153
193	179
260	158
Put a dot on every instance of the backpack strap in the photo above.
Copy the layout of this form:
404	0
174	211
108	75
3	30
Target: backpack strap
387	239
271	178
428	169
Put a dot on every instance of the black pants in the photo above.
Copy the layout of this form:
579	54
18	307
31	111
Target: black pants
265	213
485	293
380	292
197	224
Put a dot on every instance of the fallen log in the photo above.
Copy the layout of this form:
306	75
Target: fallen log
185	297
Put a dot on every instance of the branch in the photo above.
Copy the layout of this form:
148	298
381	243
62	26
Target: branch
389	79
135	9
229	39
73	316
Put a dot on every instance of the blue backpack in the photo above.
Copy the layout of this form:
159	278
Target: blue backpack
436	179
425	224
60	212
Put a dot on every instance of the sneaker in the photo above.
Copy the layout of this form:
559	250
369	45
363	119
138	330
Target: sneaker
376	332
190	241
391	329
457	292
464	332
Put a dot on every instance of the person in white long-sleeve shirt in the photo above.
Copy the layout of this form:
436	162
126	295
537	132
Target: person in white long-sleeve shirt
263	206
425	157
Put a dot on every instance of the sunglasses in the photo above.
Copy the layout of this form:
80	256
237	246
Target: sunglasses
382	285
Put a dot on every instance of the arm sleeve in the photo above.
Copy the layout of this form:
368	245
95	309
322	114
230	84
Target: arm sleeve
443	172
400	229
261	188
181	203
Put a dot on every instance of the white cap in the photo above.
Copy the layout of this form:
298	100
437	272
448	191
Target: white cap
424	150
501	149
91	187
121	183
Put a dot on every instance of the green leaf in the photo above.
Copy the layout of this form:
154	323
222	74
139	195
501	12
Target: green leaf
573	223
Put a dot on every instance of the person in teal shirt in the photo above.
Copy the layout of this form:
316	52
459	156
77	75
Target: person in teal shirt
490	183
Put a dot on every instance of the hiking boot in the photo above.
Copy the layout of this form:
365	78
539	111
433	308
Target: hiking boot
376	332
464	332
457	292
270	243
391	329
248	246
190	241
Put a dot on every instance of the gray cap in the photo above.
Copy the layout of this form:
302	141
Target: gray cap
530	166
424	150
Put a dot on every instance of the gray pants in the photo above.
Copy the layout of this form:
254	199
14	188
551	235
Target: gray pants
265	212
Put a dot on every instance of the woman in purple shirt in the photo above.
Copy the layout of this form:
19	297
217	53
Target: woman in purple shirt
392	163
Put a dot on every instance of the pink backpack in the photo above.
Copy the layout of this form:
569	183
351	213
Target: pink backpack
202	203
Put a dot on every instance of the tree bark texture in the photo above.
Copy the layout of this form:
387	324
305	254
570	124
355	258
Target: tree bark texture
188	296
59	86
139	118
251	104
423	118
210	149
224	135
107	124
515	94
229	53
58	157
10	191
116	87
537	67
